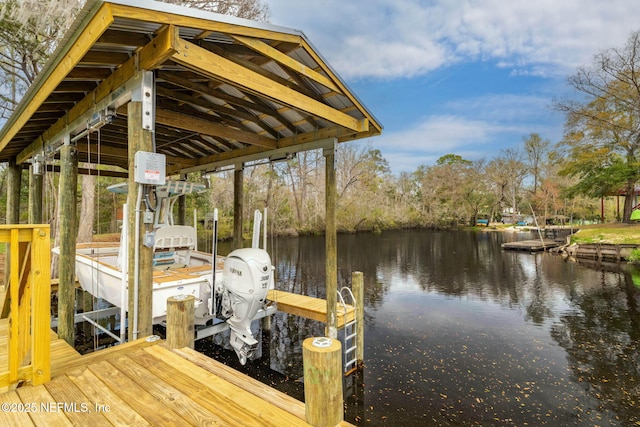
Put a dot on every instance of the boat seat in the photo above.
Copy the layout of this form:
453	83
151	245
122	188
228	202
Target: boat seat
173	246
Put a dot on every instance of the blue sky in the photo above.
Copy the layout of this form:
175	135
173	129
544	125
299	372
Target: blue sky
468	77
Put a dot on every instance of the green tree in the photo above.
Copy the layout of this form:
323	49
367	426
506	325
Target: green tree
603	138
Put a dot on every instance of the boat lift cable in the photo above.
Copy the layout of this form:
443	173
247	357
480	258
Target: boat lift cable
214	262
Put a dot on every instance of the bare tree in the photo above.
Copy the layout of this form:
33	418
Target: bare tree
249	9
536	148
29	32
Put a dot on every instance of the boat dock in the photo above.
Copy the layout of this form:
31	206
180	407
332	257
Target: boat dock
532	245
142	383
310	307
145	383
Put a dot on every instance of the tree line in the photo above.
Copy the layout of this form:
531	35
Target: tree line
597	157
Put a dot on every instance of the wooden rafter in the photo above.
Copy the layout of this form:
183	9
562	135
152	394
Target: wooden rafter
287	61
195	57
95	28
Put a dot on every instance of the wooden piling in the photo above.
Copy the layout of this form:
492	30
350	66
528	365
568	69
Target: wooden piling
14	179
322	381
35	197
238	205
331	245
68	189
139	140
357	286
180	321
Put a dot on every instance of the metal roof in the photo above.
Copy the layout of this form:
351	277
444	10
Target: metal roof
226	89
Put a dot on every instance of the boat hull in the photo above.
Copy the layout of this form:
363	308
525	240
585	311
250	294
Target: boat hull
98	274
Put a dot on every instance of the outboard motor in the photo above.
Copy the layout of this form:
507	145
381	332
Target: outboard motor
247	277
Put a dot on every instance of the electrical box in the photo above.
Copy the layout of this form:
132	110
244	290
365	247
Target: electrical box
150	168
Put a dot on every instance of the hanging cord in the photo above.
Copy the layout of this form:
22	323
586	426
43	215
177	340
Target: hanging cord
94	283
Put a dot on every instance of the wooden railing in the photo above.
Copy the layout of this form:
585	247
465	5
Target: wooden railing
27	304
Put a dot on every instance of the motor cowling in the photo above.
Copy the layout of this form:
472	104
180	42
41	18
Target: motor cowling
247	277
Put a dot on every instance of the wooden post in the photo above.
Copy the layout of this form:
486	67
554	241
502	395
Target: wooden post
321	359
357	286
14	181
238	206
68	189
87	306
139	140
180	321
41	307
331	242
182	206
35	197
14	178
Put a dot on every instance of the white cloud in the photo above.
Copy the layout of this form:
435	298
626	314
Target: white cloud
404	38
428	140
473	128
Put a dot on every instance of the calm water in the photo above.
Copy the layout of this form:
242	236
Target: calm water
460	332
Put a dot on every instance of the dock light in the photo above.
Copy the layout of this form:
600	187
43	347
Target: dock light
38	165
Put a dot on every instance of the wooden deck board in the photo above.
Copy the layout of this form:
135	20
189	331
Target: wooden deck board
80	410
39	395
226	413
145	404
237	401
118	413
162	389
14	417
245	382
309	307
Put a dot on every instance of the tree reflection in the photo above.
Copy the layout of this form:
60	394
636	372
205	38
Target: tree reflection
602	339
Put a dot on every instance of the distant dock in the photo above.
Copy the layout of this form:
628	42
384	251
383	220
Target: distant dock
531	245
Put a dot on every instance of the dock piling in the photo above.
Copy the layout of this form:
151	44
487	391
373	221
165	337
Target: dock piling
180	321
322	381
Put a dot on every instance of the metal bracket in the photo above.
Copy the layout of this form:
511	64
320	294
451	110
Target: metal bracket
148	98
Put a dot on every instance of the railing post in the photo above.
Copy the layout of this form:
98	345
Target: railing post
41	305
29	293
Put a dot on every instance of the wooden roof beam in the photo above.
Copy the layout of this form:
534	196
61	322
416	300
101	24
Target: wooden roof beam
287	61
94	29
181	121
193	56
149	57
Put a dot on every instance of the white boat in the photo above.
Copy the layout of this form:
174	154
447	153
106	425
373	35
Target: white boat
232	298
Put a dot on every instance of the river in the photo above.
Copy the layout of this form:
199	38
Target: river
460	332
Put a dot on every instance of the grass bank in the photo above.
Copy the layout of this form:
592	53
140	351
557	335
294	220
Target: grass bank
608	233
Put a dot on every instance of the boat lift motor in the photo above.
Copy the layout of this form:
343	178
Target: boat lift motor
247	278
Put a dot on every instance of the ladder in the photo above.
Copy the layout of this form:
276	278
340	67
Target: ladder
350	342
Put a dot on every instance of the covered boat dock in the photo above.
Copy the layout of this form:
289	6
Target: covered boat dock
206	91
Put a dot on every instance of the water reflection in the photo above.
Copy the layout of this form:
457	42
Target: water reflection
460	332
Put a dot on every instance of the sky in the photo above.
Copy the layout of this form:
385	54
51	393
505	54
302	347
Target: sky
465	77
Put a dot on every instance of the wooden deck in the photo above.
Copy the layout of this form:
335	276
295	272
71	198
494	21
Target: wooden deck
144	383
62	354
309	307
531	245
141	385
